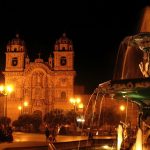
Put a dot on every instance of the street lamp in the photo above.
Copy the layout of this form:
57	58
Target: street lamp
80	105
20	109
5	90
25	104
122	108
75	101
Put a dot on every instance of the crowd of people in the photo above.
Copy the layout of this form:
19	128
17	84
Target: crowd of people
6	134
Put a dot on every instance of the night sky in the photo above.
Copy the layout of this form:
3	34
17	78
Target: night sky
96	29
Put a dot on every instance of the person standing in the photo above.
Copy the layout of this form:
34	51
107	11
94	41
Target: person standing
2	134
47	133
54	134
9	134
90	135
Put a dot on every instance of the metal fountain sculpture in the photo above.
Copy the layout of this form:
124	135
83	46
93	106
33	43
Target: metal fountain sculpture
131	80
132	83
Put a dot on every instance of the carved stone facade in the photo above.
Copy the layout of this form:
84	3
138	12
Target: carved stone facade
44	85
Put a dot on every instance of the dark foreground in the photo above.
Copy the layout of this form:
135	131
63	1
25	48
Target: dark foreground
70	145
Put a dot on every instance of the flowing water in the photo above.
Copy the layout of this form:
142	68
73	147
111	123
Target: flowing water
145	20
138	142
119	137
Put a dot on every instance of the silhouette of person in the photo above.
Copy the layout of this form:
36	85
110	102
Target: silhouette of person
54	133
47	133
90	135
2	134
9	134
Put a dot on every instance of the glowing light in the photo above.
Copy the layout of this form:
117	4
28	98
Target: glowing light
97	133
25	103
6	89
1	88
78	100
9	88
122	107
72	100
107	147
75	100
19	108
123	92
80	106
80	119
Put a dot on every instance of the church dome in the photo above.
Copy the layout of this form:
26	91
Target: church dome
64	43
16	44
16	41
64	39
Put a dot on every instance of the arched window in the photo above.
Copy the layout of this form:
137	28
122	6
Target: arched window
63	95
14	61
63	61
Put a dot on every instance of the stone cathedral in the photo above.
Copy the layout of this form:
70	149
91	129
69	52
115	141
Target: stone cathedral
43	85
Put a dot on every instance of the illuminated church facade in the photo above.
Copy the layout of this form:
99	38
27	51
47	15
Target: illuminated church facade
43	86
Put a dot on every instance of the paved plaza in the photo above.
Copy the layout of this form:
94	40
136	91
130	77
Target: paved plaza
25	137
29	139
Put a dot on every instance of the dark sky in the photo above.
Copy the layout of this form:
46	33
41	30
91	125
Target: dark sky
95	27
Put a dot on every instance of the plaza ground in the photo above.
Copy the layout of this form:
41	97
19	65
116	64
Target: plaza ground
25	137
31	139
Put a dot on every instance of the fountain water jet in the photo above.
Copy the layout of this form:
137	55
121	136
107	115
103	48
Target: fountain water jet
145	21
119	137
138	143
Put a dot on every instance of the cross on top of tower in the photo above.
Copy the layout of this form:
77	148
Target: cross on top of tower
39	54
64	34
17	35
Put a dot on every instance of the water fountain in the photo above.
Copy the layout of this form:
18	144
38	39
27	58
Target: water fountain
131	80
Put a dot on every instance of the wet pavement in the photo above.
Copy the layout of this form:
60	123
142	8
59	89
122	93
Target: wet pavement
24	137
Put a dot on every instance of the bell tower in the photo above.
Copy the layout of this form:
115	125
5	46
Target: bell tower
15	55
64	71
63	54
